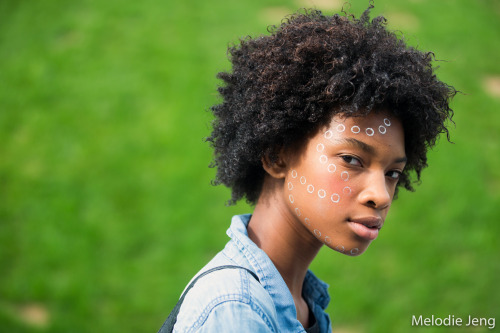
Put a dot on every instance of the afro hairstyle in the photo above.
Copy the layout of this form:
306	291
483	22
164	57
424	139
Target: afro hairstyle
283	87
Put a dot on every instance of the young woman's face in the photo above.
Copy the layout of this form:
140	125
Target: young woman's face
341	185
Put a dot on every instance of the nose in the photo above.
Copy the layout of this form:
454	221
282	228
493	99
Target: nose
375	192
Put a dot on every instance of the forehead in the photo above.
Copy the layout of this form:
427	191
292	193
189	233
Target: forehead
371	124
376	129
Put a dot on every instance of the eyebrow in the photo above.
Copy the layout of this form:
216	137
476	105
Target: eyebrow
367	148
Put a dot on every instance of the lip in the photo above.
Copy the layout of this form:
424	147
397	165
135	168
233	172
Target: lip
366	227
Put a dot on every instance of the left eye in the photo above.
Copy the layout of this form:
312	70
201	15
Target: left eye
351	160
394	174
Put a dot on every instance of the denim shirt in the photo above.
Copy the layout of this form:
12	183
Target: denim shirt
231	300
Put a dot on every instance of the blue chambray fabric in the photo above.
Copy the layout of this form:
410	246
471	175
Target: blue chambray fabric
231	300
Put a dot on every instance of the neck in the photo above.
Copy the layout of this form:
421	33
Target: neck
287	242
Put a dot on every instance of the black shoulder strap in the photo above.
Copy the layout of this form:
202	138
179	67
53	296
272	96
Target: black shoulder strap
168	325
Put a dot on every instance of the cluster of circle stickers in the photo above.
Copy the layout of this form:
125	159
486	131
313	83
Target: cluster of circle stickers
333	198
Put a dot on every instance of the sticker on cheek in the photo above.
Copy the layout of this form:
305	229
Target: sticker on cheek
307	222
387	122
297	211
291	198
335	198
302	180
347	190
320	147
332	168
294	173
323	159
290	186
340	128
344	175
310	188
328	135
382	129
354	251
321	193
328	240
317	233
369	131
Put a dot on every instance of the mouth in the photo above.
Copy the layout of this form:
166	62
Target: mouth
366	227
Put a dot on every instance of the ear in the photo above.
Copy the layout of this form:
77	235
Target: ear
278	168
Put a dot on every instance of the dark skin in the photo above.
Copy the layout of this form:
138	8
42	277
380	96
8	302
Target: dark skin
374	163
280	240
283	86
280	90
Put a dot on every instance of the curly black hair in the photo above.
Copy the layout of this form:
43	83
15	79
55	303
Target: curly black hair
284	87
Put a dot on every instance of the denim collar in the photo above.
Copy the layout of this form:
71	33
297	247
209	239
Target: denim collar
314	289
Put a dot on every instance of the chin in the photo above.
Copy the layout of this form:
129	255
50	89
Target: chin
349	251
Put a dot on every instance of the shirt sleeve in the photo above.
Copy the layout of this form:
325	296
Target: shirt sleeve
235	316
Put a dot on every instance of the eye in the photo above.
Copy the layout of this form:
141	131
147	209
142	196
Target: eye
351	160
394	174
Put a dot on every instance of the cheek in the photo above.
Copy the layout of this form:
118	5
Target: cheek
341	187
320	200
338	182
320	192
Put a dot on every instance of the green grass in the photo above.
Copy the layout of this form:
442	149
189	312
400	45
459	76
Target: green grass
106	207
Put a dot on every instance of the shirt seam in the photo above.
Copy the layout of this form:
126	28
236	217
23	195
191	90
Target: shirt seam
222	300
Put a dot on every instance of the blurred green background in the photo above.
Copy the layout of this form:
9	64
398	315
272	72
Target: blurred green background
106	207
